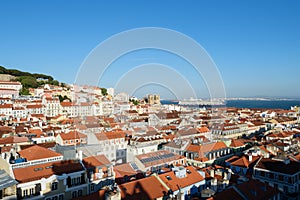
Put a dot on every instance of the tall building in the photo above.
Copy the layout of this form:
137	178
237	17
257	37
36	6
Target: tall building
153	99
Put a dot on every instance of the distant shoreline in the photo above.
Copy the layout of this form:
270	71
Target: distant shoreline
253	103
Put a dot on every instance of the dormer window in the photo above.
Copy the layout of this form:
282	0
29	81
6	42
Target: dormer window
54	186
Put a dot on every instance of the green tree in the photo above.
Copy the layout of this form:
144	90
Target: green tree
104	91
62	98
24	91
54	82
135	102
28	81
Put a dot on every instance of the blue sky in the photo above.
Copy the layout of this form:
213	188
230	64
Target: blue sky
255	44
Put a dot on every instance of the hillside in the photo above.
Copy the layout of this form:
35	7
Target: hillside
7	77
28	80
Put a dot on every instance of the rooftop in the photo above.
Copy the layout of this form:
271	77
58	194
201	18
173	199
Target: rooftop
36	172
140	189
279	166
96	161
37	152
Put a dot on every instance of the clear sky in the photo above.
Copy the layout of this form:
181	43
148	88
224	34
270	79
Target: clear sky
255	44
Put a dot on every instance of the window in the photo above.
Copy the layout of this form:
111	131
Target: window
54	186
31	191
25	193
79	193
74	194
285	189
61	197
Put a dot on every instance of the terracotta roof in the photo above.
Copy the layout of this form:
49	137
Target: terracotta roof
169	127
5	129
96	161
245	162
256	190
37	131
174	183
36	172
203	129
72	135
110	135
37	152
13	140
67	104
5	149
279	166
6	106
146	188
228	194
205	148
45	145
34	106
281	134
124	170
237	143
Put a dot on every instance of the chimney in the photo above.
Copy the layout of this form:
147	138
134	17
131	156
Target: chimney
79	155
250	157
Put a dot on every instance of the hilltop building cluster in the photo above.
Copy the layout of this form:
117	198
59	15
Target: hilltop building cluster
92	144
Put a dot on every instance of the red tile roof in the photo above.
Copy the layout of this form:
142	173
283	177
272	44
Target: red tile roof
110	135
237	143
124	170
205	148
96	161
13	140
203	129
37	152
146	188
67	104
6	106
72	135
175	183
34	106
245	162
227	194
36	172
255	190
279	166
